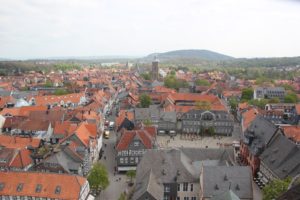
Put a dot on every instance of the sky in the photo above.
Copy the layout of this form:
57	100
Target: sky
63	28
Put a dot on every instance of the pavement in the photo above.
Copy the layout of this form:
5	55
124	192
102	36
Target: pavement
257	192
117	181
194	142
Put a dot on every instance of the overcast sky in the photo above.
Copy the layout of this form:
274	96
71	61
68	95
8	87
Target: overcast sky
239	28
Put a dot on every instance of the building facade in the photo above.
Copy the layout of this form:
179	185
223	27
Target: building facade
201	122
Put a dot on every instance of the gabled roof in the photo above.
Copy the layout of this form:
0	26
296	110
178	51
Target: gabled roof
248	116
282	157
219	179
22	159
292	132
51	99
150	185
69	185
19	142
124	114
259	134
145	135
228	195
22	111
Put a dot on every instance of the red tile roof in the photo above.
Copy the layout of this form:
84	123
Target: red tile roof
52	99
18	142
70	185
122	115
22	111
248	117
298	108
22	159
147	138
292	132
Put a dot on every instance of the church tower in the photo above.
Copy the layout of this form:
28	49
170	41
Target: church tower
155	69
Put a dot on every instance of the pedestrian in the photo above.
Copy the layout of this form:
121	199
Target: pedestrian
104	157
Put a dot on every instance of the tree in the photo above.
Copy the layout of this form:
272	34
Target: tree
275	188
291	97
145	100
247	93
203	105
261	103
172	82
211	131
60	92
147	122
131	174
86	78
233	103
98	177
202	82
288	87
48	84
146	76
274	100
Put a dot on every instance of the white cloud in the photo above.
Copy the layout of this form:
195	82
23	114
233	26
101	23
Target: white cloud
35	28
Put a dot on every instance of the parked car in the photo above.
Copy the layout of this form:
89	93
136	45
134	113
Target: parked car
106	134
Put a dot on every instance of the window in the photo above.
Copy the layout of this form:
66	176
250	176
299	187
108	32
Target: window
136	160
193	198
186	198
121	160
20	187
185	186
136	143
166	197
178	187
192	187
126	160
131	160
167	188
57	189
178	198
38	188
1	186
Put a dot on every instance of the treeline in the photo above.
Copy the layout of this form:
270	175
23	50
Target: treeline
19	67
239	62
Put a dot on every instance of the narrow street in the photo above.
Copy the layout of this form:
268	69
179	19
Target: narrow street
117	182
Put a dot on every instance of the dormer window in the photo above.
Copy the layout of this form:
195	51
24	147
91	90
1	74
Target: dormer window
20	187
57	190
38	188
136	143
2	185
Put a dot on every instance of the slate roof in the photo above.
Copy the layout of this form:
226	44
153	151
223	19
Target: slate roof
219	179
179	164
64	160
228	195
148	184
258	135
282	157
147	113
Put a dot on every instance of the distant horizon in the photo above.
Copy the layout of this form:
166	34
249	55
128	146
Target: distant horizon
87	57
